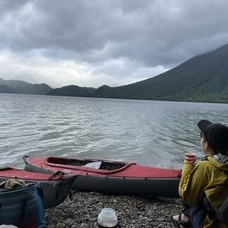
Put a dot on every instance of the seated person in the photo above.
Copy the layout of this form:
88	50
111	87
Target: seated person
206	180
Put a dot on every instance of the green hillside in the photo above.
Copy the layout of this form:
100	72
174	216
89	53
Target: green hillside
71	90
202	78
18	86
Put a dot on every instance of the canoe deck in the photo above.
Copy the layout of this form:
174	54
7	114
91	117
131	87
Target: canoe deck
56	188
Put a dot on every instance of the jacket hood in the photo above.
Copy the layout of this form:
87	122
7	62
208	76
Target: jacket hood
220	161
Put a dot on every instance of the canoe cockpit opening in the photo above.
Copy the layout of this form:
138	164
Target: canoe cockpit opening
111	166
103	165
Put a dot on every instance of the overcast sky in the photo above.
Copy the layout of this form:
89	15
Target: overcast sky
112	42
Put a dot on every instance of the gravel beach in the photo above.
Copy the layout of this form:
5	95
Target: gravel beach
82	209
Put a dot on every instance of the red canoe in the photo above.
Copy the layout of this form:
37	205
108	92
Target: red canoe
110	176
55	187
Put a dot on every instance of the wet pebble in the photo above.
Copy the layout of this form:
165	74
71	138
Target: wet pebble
132	211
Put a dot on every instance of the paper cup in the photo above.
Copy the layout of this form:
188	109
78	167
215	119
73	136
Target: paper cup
190	156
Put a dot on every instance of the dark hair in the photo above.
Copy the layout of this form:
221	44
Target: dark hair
216	136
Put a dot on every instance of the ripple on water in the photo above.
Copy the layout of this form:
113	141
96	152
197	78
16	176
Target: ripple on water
149	132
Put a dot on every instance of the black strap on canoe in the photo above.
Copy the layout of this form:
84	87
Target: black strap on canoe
57	173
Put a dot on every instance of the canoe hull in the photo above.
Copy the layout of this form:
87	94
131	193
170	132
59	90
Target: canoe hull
86	181
162	187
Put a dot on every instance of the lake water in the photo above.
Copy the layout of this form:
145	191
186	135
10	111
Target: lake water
154	133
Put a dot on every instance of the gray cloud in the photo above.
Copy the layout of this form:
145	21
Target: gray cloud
115	37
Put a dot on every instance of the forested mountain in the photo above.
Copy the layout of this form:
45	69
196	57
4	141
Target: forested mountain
7	89
17	86
72	90
201	78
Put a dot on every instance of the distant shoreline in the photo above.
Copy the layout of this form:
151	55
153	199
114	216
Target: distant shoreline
137	99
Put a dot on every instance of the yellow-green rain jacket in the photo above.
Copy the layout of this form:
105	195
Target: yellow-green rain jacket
209	178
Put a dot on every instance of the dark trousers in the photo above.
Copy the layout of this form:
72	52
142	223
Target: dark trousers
197	215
